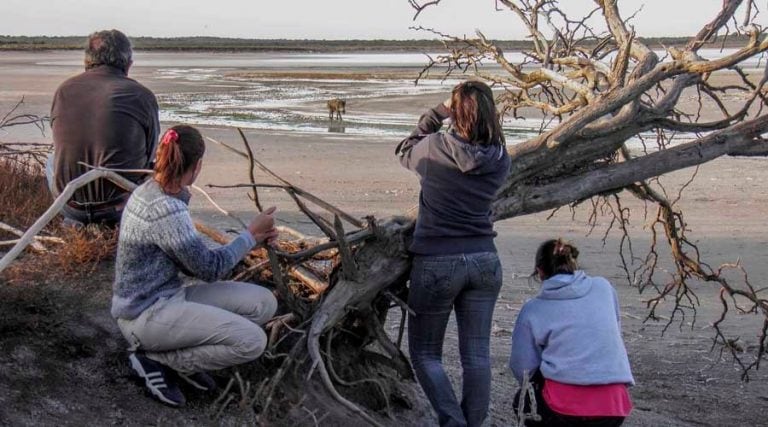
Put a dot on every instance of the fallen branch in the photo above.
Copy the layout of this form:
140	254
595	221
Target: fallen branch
290	231
399	302
351	238
298	191
309	279
313	345
345	383
275	325
316	219
11	119
348	263
35	245
216	205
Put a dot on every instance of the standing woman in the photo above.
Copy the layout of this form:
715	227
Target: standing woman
455	265
180	332
568	341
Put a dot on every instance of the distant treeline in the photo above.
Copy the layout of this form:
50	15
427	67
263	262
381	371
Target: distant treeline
277	45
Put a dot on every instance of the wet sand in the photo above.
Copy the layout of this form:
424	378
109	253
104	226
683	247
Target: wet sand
679	381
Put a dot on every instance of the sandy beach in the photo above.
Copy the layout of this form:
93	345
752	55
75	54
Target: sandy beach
680	382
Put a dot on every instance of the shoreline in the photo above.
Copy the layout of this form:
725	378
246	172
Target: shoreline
226	44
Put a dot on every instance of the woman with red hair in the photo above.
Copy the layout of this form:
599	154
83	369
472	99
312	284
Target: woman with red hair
178	332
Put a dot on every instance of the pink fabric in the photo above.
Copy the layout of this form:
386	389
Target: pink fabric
170	136
610	400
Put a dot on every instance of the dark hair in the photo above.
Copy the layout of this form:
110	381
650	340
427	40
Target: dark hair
108	47
556	257
474	115
180	148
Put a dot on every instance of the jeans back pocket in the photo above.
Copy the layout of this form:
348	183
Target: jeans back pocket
488	270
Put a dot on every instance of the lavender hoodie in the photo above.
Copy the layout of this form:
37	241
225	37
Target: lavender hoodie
572	333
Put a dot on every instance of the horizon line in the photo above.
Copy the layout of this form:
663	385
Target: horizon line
301	39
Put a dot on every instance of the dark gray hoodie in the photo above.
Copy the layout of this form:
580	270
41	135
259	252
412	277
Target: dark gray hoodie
459	181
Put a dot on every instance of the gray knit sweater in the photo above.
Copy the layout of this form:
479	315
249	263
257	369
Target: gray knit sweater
158	241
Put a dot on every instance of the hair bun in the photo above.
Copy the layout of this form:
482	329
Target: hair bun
561	248
556	256
565	250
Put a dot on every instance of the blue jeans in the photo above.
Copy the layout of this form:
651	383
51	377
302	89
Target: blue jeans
470	284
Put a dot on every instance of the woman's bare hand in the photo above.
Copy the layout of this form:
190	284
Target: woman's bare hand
262	228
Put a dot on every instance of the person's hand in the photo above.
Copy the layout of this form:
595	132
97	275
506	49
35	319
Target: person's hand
262	228
447	103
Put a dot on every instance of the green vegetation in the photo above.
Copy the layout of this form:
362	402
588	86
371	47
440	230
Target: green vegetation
283	45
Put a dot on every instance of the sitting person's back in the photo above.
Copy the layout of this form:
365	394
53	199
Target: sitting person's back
574	319
102	118
567	340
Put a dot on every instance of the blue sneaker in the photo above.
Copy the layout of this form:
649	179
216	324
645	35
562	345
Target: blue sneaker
199	380
156	379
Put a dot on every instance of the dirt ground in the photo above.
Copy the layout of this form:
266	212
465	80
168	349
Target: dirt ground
62	359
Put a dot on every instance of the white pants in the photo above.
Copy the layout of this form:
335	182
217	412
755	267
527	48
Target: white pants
205	327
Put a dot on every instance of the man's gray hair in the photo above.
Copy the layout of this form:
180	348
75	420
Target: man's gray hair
109	47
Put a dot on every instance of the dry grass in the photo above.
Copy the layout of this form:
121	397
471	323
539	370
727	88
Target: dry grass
87	252
24	194
85	248
24	197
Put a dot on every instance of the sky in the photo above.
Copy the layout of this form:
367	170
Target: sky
319	19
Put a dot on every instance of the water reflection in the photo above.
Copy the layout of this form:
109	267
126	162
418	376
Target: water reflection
336	127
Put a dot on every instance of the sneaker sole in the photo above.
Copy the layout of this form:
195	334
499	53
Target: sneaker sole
136	365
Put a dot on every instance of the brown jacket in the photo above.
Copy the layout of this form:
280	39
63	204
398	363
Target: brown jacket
103	118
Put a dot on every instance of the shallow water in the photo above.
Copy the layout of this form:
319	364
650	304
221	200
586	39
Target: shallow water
304	60
215	89
223	97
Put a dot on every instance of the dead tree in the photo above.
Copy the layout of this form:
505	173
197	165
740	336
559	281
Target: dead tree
22	151
598	86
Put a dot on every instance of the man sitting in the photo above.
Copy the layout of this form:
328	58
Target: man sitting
101	118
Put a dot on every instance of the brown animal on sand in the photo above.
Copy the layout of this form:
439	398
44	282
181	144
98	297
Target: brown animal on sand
337	106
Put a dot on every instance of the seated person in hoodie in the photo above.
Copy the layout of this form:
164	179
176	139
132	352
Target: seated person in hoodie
568	341
455	265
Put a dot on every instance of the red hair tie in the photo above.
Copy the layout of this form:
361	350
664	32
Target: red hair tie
169	137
